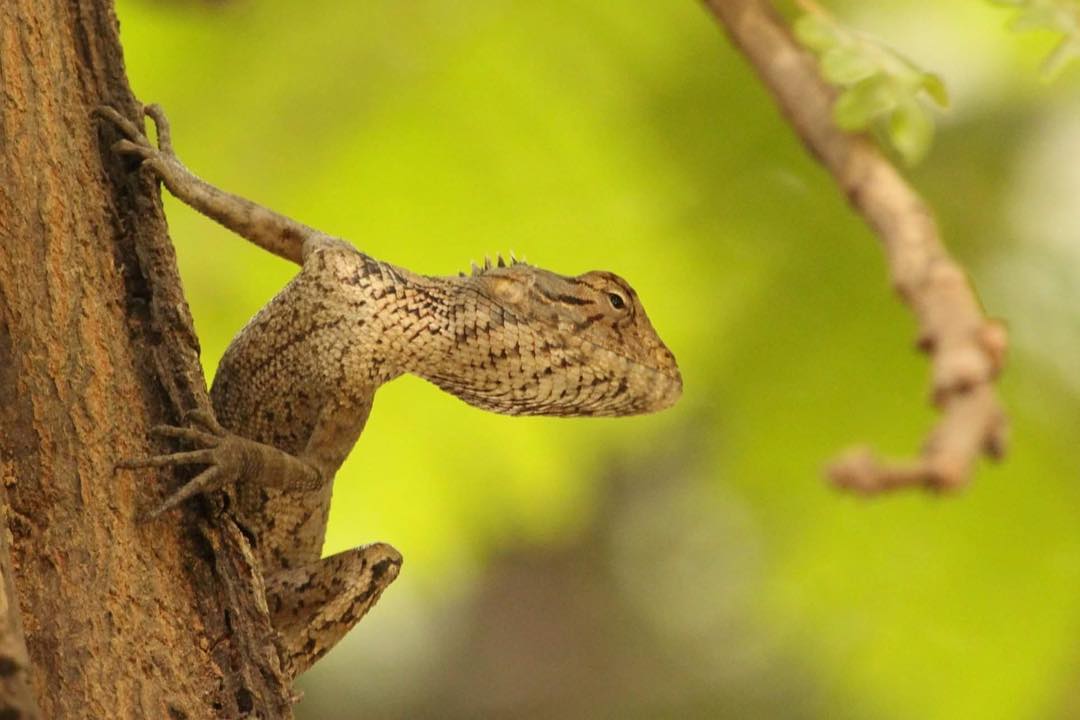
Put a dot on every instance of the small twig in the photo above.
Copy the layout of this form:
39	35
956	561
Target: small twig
966	349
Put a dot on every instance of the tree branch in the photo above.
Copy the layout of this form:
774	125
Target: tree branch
121	618
966	349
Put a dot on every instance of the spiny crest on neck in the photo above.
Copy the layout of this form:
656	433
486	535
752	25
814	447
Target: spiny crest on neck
477	270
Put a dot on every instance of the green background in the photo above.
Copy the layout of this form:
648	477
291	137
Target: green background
692	563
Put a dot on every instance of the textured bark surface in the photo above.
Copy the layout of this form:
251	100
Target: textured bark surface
124	620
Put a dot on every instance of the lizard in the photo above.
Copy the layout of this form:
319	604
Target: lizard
293	390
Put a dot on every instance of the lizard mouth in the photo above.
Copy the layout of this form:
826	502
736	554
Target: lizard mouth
657	387
671	373
668	390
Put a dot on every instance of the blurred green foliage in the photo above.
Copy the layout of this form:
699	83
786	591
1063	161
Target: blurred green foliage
1061	17
881	89
631	137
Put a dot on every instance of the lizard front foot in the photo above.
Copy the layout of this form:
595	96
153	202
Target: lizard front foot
229	458
136	143
221	451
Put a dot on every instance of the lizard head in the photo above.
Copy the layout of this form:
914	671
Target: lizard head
568	345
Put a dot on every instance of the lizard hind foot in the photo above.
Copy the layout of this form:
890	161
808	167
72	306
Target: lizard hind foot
134	141
314	605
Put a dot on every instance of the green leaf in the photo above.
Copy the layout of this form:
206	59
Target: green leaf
1060	16
847	65
935	87
879	87
864	101
911	129
817	32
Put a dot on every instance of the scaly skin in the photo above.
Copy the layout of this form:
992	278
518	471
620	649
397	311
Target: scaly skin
294	389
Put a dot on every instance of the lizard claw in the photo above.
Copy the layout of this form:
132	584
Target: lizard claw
209	479
193	435
205	420
227	456
125	126
127	147
161	123
136	142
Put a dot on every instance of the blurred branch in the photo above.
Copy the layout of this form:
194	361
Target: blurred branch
966	349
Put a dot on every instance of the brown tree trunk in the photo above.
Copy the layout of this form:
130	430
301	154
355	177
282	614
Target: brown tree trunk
122	619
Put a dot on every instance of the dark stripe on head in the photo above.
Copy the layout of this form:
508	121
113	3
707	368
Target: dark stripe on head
564	299
590	320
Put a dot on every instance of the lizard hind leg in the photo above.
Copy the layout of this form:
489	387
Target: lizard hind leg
313	606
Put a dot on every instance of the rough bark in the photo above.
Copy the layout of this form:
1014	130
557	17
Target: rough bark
122	619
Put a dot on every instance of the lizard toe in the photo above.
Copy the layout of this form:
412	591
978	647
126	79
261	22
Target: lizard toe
209	479
192	435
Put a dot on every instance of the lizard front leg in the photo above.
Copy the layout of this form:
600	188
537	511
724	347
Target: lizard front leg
228	458
272	231
313	606
313	602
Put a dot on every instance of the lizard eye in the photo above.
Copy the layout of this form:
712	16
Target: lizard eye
616	300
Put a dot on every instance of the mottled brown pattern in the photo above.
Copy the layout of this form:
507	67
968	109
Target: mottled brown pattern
295	387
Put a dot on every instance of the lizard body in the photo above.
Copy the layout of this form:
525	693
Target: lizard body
294	389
